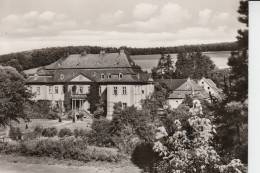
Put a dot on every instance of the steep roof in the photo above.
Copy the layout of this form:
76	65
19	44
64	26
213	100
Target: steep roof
178	84
87	61
172	84
182	87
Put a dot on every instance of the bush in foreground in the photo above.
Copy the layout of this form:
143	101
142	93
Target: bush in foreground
69	148
65	132
49	132
15	133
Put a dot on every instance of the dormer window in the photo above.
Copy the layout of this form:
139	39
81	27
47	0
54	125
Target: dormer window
61	76
102	76
120	75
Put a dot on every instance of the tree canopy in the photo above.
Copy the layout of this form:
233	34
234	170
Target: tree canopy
41	57
13	95
194	65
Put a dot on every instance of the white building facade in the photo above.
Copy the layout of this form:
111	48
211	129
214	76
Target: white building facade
115	73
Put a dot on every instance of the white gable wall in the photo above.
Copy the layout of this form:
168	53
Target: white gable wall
134	95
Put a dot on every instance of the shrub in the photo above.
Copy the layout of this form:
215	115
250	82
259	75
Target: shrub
15	133
69	148
38	130
81	133
10	147
65	132
100	134
52	115
49	132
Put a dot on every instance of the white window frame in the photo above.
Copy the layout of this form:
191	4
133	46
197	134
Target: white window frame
102	76
115	92
50	89
124	92
81	90
56	90
38	90
120	75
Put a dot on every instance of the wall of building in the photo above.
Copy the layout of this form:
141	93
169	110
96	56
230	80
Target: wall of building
174	103
46	94
134	95
208	88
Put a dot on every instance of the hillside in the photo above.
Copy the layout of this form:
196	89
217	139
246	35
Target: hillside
40	57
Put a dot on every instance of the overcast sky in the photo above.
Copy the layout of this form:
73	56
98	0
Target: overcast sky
29	24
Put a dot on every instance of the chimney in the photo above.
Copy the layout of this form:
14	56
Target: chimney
102	52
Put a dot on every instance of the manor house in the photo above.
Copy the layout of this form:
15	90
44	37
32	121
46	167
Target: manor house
117	76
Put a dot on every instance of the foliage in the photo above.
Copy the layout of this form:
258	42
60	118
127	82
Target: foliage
38	109
232	121
41	57
232	113
100	134
93	97
10	147
65	148
65	132
81	133
13	96
67	98
144	157
49	132
164	69
191	150
52	115
15	133
158	100
194	65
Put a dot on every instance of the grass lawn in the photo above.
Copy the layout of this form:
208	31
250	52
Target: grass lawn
20	164
86	124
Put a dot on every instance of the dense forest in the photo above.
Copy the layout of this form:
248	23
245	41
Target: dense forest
40	57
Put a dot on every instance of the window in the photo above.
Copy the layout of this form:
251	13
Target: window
124	90
50	89
208	87
115	90
124	105
102	76
120	75
109	76
38	90
142	91
81	90
56	89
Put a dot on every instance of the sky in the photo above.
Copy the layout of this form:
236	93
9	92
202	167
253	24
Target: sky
31	24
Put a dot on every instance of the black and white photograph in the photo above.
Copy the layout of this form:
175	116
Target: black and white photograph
126	86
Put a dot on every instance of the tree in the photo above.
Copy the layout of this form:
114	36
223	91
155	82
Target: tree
190	149
232	113
164	69
157	101
194	65
239	59
13	95
93	97
15	63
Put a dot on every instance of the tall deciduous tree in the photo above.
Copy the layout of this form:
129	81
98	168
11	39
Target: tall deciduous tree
13	95
165	68
194	65
93	97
